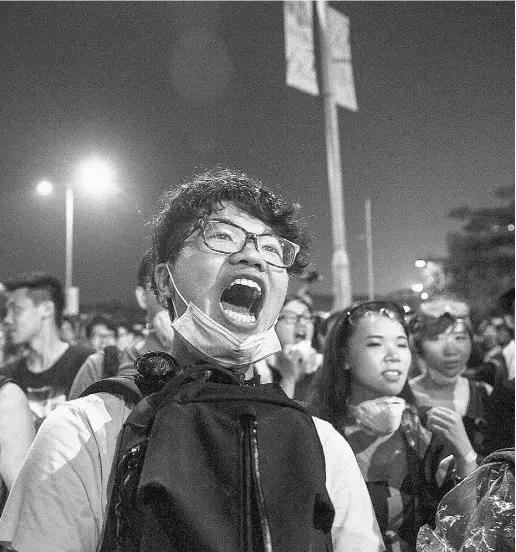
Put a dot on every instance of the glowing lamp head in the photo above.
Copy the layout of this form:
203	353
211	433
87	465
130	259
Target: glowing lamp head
44	188
97	177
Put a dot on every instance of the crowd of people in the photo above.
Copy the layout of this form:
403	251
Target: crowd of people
404	407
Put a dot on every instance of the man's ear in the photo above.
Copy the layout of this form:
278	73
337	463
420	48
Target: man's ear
47	308
140	297
165	287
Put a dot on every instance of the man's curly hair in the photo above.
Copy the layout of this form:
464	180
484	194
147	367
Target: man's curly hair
209	192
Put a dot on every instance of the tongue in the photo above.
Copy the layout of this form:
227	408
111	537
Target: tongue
239	298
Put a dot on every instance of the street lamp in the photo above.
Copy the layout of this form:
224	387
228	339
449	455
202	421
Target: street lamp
97	177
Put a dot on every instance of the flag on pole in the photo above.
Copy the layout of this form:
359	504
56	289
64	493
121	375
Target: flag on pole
300	57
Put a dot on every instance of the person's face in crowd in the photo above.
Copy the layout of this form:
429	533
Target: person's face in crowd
449	351
157	316
379	357
124	337
68	332
239	290
148	301
24	318
503	334
102	336
490	337
295	323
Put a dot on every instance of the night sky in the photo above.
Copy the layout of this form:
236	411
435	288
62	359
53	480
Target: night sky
162	90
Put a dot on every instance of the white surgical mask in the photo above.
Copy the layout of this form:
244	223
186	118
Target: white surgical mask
215	343
380	416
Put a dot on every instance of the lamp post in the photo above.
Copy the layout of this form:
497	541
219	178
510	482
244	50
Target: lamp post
95	176
69	238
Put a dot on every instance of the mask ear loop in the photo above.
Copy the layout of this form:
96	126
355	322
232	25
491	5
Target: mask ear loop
169	300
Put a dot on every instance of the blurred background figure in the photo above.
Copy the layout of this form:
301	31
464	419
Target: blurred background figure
112	361
500	405
506	306
101	332
67	330
361	388
48	365
442	339
295	365
125	335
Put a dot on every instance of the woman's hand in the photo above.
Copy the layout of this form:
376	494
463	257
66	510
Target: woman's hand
448	424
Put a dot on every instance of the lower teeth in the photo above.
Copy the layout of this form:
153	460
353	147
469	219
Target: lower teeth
239	317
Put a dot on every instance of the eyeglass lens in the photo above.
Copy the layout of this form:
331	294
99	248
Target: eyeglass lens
227	238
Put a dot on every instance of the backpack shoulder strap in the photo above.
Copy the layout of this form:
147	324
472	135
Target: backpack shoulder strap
111	361
118	385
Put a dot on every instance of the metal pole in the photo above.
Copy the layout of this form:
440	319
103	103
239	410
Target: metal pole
342	296
69	238
369	247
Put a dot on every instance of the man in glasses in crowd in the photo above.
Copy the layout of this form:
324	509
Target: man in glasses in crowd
294	367
225	247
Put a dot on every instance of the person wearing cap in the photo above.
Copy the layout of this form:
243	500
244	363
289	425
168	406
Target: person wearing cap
441	337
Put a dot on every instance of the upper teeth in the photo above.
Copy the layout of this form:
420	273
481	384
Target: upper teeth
246	282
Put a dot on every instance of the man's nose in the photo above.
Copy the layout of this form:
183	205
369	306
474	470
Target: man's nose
249	255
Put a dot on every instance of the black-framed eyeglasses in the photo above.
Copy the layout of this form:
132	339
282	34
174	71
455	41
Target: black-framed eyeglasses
227	237
373	310
291	318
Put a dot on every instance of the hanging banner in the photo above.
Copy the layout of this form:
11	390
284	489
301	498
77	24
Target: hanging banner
300	58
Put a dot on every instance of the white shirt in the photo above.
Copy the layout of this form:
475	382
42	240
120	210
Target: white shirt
59	501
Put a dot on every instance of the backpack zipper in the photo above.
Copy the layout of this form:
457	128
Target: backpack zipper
253	500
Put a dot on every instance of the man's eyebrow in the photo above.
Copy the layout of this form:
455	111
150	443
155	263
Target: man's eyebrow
268	231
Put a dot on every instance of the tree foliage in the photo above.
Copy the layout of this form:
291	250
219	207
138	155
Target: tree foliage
480	264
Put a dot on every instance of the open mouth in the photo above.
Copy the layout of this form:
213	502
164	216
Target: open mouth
242	301
391	375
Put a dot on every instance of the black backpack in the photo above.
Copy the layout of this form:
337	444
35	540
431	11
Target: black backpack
212	464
